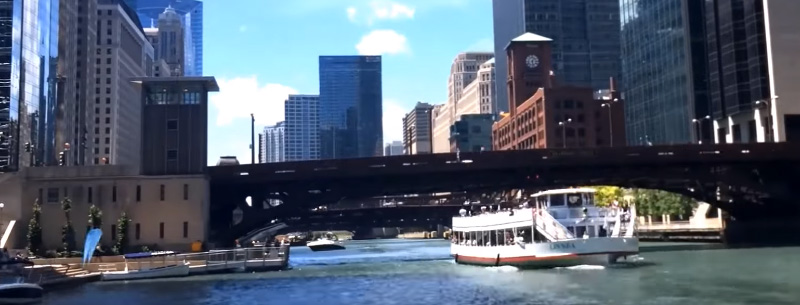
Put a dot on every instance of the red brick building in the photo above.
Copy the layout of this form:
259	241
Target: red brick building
545	115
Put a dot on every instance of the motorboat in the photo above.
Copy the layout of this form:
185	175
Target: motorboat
150	265
562	228
13	287
329	242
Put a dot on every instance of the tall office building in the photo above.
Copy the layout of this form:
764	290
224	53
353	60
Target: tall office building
586	51
191	13
464	96
125	53
753	70
28	62
509	22
665	72
170	43
301	129
417	131
393	149
176	112
351	107
272	145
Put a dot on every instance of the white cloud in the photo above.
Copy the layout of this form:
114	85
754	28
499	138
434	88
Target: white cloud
381	42
393	114
239	97
243	28
380	10
351	13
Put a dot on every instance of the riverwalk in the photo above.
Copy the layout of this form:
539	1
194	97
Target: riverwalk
54	273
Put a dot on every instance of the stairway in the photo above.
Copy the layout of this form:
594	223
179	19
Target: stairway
54	273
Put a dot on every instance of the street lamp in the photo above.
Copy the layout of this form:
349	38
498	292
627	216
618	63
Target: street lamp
610	122
563	125
697	124
767	104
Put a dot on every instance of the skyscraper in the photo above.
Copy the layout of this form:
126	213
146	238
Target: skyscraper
301	140
417	131
170	41
191	13
28	63
273	146
351	110
509	22
586	49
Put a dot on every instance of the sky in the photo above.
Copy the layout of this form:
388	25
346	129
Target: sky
260	51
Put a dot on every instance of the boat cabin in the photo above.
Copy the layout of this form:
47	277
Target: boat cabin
575	208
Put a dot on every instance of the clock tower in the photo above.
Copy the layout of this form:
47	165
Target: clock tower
529	67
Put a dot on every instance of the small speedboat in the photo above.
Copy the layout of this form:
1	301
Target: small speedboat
14	289
327	243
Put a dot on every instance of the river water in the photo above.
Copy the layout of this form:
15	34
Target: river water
407	272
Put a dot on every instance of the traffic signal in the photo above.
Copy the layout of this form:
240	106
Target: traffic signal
27	147
61	161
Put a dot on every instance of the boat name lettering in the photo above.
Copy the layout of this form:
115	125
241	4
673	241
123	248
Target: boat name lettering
562	246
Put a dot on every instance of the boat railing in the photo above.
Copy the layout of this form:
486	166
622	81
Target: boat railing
551	228
631	221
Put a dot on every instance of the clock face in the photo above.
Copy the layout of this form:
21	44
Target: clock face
532	61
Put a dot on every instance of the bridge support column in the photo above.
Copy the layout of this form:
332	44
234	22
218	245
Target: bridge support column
762	232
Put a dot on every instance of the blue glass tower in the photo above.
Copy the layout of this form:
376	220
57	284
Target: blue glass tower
350	107
28	56
192	11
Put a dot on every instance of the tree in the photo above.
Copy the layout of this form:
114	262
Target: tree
605	195
122	234
657	203
95	217
67	232
35	230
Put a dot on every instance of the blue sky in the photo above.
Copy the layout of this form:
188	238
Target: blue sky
262	50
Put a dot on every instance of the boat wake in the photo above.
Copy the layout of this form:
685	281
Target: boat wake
582	267
503	269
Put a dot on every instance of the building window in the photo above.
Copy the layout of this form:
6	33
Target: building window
163	192
172	125
172	154
138	231
114	193
52	195
138	193
185	192
161	230
113	232
185	229
89	195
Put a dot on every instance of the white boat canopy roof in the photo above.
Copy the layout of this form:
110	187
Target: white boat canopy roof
565	191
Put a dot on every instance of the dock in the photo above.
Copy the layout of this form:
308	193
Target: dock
237	260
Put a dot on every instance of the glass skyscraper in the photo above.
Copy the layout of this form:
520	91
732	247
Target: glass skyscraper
665	71
192	12
28	56
351	107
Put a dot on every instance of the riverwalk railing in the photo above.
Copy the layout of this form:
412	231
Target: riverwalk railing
254	258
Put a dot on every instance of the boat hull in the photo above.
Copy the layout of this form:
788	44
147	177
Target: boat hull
21	293
326	247
163	272
566	253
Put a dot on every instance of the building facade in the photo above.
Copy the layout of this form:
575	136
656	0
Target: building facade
350	107
393	149
116	119
508	23
181	201
302	122
543	115
274	143
665	72
417	132
472	133
28	78
191	13
170	43
753	69
176	112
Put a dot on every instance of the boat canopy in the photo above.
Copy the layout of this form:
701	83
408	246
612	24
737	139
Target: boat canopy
149	254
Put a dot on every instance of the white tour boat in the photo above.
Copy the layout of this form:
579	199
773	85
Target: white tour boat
14	289
562	228
146	270
328	242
